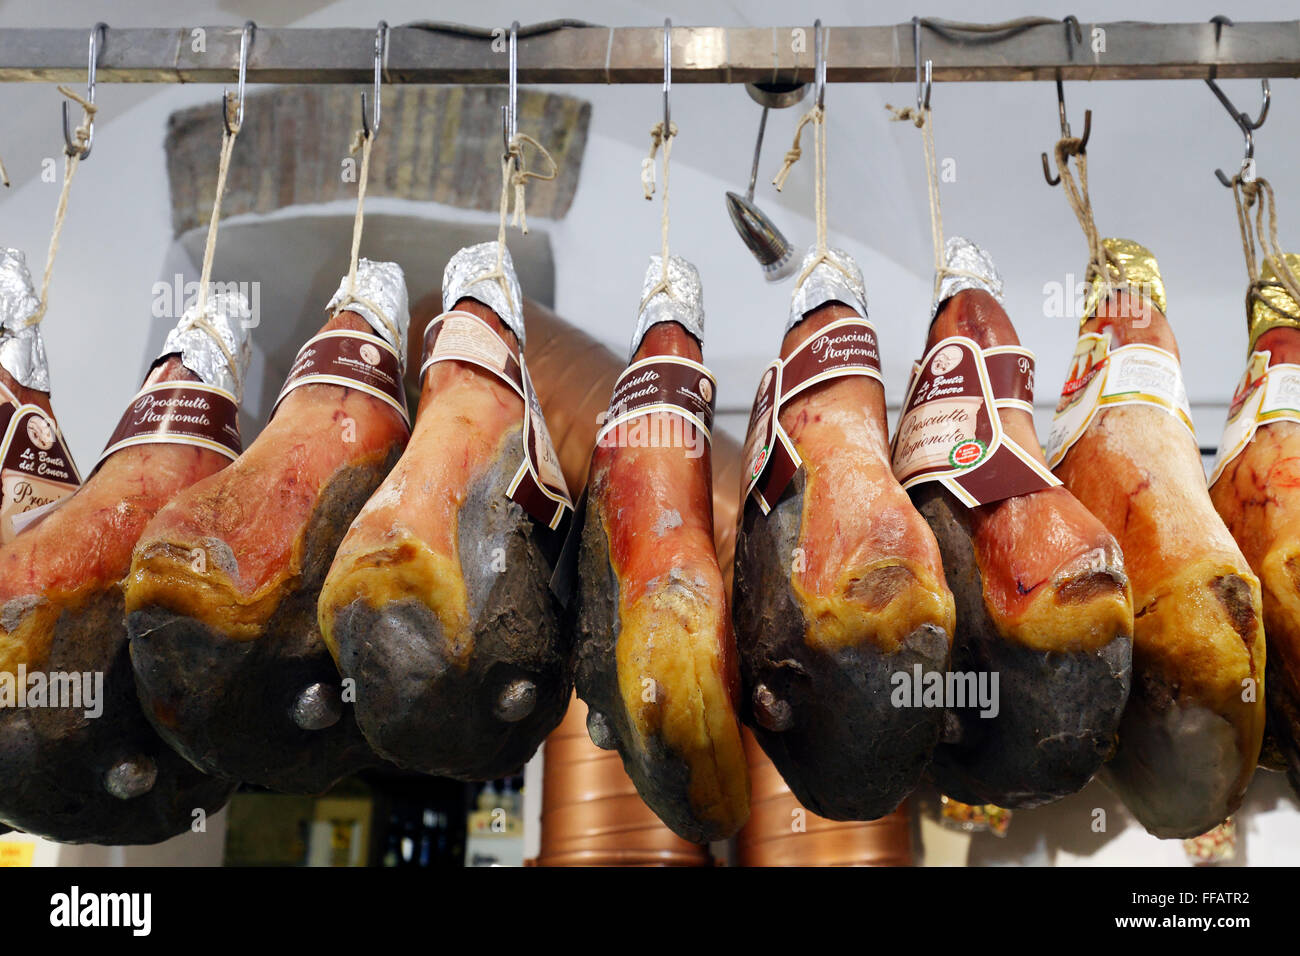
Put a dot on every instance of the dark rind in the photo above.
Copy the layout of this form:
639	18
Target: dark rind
1173	786
1283	720
1166	768
1059	712
227	705
662	777
850	753
416	706
55	760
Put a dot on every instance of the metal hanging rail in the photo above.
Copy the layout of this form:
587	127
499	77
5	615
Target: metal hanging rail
881	54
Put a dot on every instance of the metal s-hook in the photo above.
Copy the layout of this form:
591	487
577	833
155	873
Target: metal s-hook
1244	123
245	43
98	36
509	113
668	71
1065	131
922	90
1241	118
819	64
370	123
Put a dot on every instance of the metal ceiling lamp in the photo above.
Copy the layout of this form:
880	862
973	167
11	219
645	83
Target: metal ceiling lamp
769	246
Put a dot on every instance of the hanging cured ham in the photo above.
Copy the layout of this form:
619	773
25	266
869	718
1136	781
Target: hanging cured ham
1256	490
224	581
438	604
1123	445
1042	655
838	581
83	764
656	659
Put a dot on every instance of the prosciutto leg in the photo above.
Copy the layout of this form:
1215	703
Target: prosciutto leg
1191	733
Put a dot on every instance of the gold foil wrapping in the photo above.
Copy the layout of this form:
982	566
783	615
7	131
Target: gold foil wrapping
1141	272
1271	306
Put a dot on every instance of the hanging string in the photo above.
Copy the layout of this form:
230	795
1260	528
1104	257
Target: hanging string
1102	263
659	137
817	117
197	319
363	143
515	175
1259	193
923	119
71	162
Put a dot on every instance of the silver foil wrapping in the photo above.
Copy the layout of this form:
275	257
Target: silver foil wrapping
826	283
683	303
959	253
463	278
380	285
22	350
228	313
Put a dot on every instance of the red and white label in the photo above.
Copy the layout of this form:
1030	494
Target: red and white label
179	413
660	383
950	430
847	347
538	486
36	469
1265	394
352	359
1101	376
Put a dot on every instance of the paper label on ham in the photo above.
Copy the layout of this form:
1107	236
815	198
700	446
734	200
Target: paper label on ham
463	337
1265	394
1101	377
661	383
538	485
846	347
356	360
36	468
950	431
179	413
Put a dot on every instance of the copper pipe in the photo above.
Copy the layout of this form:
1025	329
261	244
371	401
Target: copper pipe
591	813
780	832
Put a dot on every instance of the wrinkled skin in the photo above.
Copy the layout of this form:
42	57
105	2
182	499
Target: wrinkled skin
1043	602
1188	741
656	657
438	602
838	589
61	610
1258	496
223	588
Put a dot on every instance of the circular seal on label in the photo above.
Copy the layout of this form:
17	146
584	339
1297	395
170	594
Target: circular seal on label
759	460
370	354
41	432
706	390
948	358
966	453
